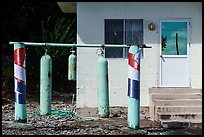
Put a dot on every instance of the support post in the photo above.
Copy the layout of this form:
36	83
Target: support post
134	87
20	82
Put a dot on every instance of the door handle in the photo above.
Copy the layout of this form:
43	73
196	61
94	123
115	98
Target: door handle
162	58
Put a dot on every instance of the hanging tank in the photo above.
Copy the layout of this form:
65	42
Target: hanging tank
72	60
102	86
45	84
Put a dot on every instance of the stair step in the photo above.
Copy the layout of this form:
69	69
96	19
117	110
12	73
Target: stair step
178	109
174	90
181	124
179	102
170	96
179	116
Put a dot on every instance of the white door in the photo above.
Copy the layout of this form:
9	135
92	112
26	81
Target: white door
174	66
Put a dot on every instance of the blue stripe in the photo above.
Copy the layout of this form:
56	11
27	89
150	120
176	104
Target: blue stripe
21	87
133	88
20	93
20	98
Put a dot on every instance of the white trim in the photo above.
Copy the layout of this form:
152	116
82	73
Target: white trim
175	56
189	30
160	26
158	53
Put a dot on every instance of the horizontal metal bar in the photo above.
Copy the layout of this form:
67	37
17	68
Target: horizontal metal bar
71	45
74	45
102	45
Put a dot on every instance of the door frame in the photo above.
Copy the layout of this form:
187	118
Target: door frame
188	20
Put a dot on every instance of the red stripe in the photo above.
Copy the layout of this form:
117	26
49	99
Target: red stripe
19	80
19	56
133	63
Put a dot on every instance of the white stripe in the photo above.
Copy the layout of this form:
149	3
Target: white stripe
18	92
17	98
133	73
19	72
16	85
24	63
137	56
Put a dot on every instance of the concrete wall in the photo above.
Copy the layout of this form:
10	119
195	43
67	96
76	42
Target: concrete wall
90	29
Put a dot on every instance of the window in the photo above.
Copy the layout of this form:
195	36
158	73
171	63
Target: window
174	38
119	31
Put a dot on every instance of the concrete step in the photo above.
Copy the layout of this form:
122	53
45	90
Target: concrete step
169	96
177	102
178	109
179	116
181	124
174	90
171	105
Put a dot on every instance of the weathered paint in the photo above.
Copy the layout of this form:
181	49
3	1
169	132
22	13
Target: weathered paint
45	84
72	67
134	87
20	82
103	92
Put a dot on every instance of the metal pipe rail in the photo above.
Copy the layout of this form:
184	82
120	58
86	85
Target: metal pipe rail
79	45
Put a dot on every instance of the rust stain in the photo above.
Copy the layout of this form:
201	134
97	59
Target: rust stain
73	67
49	74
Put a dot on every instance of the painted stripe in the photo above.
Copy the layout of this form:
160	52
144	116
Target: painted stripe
20	87
133	73
133	88
19	56
132	61
137	56
20	98
19	80
19	72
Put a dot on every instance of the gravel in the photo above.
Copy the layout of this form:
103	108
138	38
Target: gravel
116	124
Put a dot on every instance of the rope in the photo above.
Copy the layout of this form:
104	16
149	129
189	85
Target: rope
63	114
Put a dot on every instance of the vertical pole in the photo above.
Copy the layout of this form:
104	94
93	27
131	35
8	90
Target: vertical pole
20	82
177	50
45	84
134	87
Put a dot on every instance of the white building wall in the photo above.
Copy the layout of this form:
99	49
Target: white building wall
90	29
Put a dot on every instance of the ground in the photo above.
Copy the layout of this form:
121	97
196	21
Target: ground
116	124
